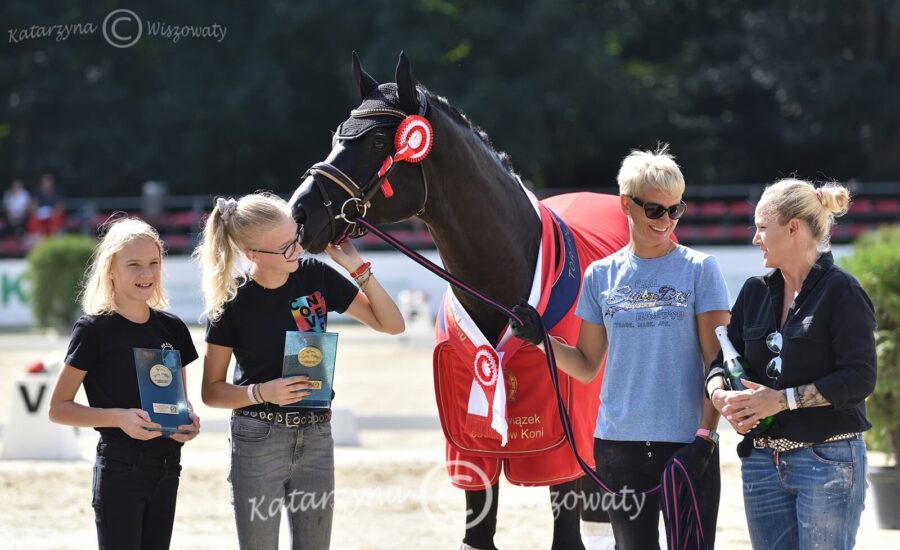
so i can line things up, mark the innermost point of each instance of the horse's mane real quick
(461, 119)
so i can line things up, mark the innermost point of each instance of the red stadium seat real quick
(857, 229)
(713, 208)
(11, 245)
(861, 206)
(741, 232)
(185, 219)
(177, 241)
(741, 208)
(686, 232)
(888, 207)
(712, 232)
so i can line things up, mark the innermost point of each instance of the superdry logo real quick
(624, 297)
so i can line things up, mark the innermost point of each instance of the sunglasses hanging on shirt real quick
(774, 343)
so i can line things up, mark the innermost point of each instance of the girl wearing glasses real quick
(651, 309)
(280, 457)
(807, 330)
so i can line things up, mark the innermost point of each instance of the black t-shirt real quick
(103, 346)
(253, 324)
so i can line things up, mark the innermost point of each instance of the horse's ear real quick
(364, 82)
(406, 86)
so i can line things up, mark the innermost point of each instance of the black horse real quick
(468, 196)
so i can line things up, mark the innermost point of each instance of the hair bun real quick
(835, 198)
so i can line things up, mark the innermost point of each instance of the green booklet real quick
(312, 354)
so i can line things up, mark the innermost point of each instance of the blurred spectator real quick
(16, 201)
(47, 209)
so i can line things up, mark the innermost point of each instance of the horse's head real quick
(360, 175)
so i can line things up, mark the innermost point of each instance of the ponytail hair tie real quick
(226, 207)
(819, 194)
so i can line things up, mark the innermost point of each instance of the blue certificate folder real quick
(162, 387)
(312, 354)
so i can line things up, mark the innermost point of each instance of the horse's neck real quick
(485, 229)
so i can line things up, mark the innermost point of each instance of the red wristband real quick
(361, 269)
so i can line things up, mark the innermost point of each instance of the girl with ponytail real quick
(256, 287)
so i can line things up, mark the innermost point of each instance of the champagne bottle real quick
(736, 372)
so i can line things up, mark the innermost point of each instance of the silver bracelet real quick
(791, 395)
(250, 394)
(363, 279)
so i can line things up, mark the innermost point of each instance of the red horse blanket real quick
(495, 399)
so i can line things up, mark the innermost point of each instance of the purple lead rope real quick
(669, 487)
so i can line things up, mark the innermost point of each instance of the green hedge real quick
(876, 263)
(55, 270)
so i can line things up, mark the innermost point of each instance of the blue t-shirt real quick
(653, 383)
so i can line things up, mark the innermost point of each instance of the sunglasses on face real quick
(655, 211)
(773, 342)
(289, 250)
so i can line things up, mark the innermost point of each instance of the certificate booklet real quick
(312, 354)
(162, 387)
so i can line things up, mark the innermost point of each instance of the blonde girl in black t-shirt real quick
(136, 472)
(281, 458)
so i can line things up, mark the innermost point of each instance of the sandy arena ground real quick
(391, 489)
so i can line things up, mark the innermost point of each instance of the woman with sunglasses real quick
(278, 460)
(653, 306)
(807, 329)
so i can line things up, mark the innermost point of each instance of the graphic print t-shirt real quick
(653, 383)
(254, 323)
(103, 346)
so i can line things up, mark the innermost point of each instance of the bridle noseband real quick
(360, 196)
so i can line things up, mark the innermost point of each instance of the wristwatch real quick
(708, 434)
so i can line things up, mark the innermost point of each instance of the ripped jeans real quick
(810, 498)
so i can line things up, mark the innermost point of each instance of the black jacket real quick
(828, 340)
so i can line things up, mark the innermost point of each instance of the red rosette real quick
(486, 366)
(413, 139)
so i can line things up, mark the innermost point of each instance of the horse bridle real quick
(360, 196)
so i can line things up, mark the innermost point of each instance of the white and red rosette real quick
(413, 139)
(486, 366)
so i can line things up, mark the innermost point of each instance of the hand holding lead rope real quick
(531, 329)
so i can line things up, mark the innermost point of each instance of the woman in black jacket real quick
(807, 330)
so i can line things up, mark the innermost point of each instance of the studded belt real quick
(289, 419)
(782, 445)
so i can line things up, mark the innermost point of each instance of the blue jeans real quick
(276, 467)
(807, 498)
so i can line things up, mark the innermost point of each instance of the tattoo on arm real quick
(782, 400)
(809, 396)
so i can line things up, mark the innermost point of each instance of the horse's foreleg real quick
(481, 518)
(566, 502)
